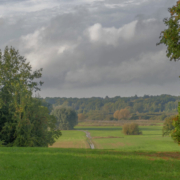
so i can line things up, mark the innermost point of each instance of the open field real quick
(111, 137)
(148, 156)
(72, 139)
(151, 139)
(86, 164)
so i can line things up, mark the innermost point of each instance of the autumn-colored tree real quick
(81, 117)
(122, 114)
(116, 113)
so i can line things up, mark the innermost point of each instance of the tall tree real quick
(21, 120)
(171, 38)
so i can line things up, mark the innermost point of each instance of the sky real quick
(92, 47)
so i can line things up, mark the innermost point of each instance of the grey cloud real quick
(74, 57)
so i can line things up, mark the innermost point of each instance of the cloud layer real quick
(93, 48)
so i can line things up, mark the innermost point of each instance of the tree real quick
(168, 125)
(124, 114)
(115, 115)
(23, 122)
(121, 114)
(131, 129)
(176, 123)
(81, 117)
(170, 36)
(66, 117)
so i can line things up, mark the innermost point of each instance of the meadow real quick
(71, 139)
(86, 164)
(107, 137)
(111, 137)
(116, 156)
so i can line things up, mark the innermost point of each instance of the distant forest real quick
(97, 108)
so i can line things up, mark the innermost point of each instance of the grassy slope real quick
(59, 164)
(151, 140)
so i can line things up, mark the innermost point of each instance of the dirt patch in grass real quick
(70, 144)
(99, 137)
(163, 155)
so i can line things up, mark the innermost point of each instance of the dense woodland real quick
(96, 108)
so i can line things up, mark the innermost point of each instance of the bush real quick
(1, 143)
(131, 129)
(163, 117)
(168, 125)
(66, 118)
(175, 134)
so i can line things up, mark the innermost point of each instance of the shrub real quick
(163, 117)
(131, 129)
(168, 125)
(175, 134)
(1, 143)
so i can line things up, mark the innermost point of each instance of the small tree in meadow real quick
(131, 129)
(168, 125)
(176, 123)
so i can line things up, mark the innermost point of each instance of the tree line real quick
(97, 108)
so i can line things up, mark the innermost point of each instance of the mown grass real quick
(150, 140)
(86, 164)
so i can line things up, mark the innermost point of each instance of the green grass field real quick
(116, 157)
(72, 139)
(150, 140)
(86, 164)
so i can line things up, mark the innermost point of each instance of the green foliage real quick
(66, 118)
(176, 123)
(131, 129)
(23, 122)
(163, 117)
(146, 107)
(1, 143)
(170, 36)
(168, 125)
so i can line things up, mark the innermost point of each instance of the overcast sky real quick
(92, 47)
